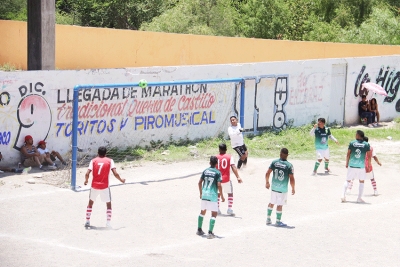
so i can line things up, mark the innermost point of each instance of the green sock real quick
(326, 164)
(316, 166)
(278, 216)
(212, 223)
(269, 212)
(200, 221)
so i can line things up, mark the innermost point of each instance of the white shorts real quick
(227, 187)
(356, 173)
(279, 199)
(323, 153)
(105, 194)
(369, 175)
(209, 205)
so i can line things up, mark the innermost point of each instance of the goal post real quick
(77, 93)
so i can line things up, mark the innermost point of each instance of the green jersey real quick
(211, 177)
(321, 138)
(358, 150)
(281, 170)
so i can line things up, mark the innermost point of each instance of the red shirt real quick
(224, 166)
(101, 171)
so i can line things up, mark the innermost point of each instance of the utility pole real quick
(41, 34)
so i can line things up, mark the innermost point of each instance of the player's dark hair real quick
(360, 134)
(213, 160)
(232, 117)
(363, 96)
(366, 139)
(222, 147)
(285, 151)
(321, 120)
(102, 151)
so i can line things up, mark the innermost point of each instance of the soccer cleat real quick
(87, 224)
(314, 173)
(269, 221)
(360, 200)
(230, 212)
(108, 225)
(219, 212)
(200, 232)
(210, 235)
(280, 224)
(343, 199)
(375, 192)
(328, 170)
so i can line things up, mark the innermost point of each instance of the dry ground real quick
(155, 219)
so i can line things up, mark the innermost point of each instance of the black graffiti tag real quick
(280, 99)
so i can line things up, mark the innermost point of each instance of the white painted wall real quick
(298, 91)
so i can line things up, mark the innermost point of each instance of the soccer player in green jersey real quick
(282, 173)
(209, 186)
(322, 134)
(355, 164)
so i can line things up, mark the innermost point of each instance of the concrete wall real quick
(84, 48)
(276, 94)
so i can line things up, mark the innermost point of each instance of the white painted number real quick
(358, 153)
(208, 182)
(224, 164)
(101, 166)
(279, 175)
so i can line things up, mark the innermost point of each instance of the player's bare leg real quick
(244, 158)
(230, 204)
(88, 213)
(360, 192)
(317, 163)
(49, 161)
(200, 222)
(57, 155)
(269, 213)
(109, 213)
(212, 223)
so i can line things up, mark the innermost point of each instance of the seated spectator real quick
(8, 169)
(373, 107)
(363, 112)
(30, 157)
(53, 155)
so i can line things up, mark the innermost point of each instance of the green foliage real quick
(206, 17)
(11, 9)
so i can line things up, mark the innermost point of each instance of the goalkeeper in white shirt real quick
(235, 132)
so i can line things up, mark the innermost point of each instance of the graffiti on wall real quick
(280, 99)
(308, 88)
(387, 77)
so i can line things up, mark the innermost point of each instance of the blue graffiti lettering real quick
(89, 127)
(5, 138)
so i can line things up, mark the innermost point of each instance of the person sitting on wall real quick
(363, 112)
(373, 107)
(52, 156)
(30, 156)
(8, 169)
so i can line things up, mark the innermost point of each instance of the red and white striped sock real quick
(219, 199)
(373, 182)
(109, 212)
(230, 202)
(88, 213)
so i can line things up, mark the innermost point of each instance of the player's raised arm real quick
(292, 183)
(116, 174)
(312, 132)
(87, 177)
(267, 185)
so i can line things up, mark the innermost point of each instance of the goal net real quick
(125, 117)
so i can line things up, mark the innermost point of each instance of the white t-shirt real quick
(42, 151)
(236, 135)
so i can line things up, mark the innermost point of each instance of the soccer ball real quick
(143, 83)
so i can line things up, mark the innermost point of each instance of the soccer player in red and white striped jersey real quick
(225, 163)
(101, 167)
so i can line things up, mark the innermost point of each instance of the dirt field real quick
(155, 220)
